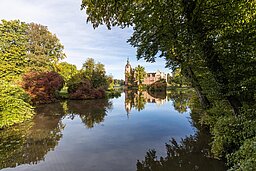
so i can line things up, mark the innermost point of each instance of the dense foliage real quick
(42, 87)
(14, 105)
(66, 70)
(30, 56)
(83, 89)
(44, 49)
(23, 48)
(118, 82)
(177, 79)
(90, 82)
(12, 49)
(95, 72)
(27, 47)
(140, 74)
(213, 43)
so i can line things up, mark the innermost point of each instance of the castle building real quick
(128, 72)
(149, 79)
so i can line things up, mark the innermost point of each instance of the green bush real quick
(14, 105)
(230, 132)
(81, 88)
(245, 157)
(234, 136)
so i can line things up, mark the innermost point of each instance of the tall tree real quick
(188, 34)
(12, 49)
(25, 47)
(44, 48)
(66, 70)
(140, 74)
(95, 73)
(88, 67)
(99, 78)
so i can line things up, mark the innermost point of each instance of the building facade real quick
(150, 78)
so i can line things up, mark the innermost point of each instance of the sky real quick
(65, 19)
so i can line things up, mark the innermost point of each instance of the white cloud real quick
(67, 21)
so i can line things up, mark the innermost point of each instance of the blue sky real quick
(65, 19)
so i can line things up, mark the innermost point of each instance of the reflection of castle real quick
(150, 99)
(137, 100)
(149, 79)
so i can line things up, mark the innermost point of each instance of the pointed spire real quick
(128, 61)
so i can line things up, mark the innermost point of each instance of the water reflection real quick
(180, 98)
(138, 99)
(191, 153)
(28, 143)
(91, 112)
(68, 129)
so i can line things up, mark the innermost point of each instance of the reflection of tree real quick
(192, 153)
(51, 109)
(90, 111)
(28, 143)
(180, 98)
(139, 101)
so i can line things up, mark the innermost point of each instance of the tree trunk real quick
(195, 26)
(215, 67)
(188, 72)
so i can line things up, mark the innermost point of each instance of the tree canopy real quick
(66, 70)
(214, 39)
(25, 47)
(213, 43)
(95, 72)
(13, 46)
(140, 74)
(44, 48)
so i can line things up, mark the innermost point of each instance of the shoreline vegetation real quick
(32, 73)
(209, 45)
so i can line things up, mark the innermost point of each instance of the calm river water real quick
(108, 135)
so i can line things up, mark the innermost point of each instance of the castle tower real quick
(128, 72)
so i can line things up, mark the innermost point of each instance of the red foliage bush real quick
(43, 87)
(84, 90)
